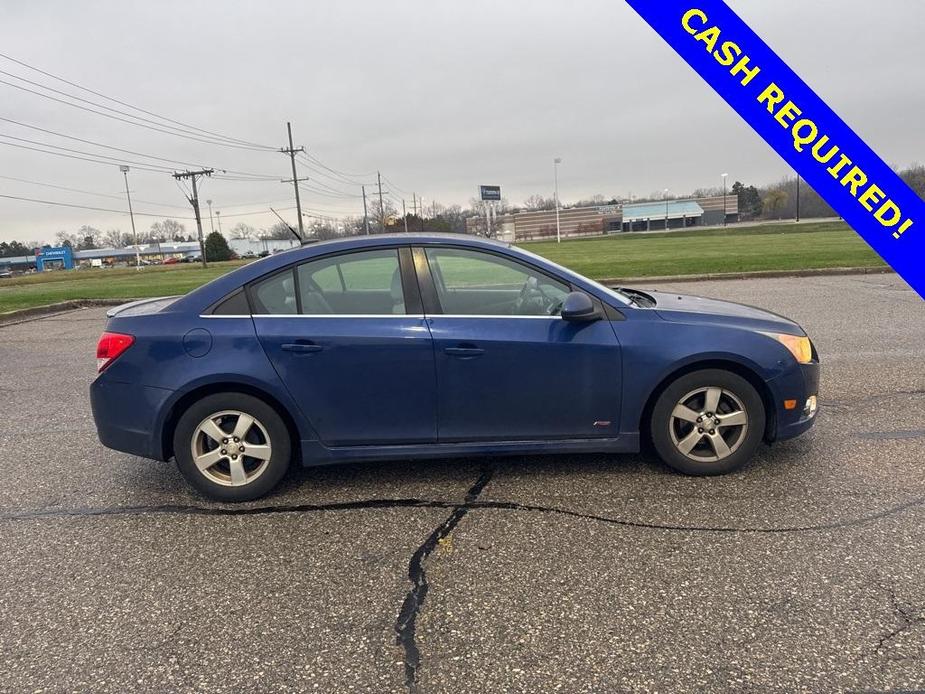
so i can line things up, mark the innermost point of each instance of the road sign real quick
(490, 192)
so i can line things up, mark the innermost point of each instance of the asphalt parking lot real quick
(803, 572)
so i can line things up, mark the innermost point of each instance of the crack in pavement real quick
(406, 623)
(908, 619)
(470, 505)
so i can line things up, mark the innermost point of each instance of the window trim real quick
(413, 302)
(431, 298)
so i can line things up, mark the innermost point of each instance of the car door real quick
(347, 337)
(508, 366)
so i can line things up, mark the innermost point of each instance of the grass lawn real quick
(771, 247)
(106, 283)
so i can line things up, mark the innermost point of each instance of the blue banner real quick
(781, 108)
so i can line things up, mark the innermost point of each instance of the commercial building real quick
(658, 215)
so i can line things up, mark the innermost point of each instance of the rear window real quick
(275, 295)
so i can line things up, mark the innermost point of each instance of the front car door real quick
(509, 368)
(347, 337)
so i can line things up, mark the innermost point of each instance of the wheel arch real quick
(183, 403)
(730, 365)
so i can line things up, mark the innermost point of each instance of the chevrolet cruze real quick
(430, 346)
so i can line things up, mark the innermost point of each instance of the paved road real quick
(803, 572)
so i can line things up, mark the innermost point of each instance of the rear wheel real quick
(232, 447)
(708, 422)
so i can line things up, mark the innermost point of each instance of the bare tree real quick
(278, 231)
(113, 238)
(538, 202)
(167, 230)
(243, 231)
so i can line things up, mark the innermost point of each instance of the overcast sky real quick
(441, 96)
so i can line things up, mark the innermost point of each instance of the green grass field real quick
(770, 247)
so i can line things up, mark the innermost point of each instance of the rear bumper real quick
(126, 416)
(799, 383)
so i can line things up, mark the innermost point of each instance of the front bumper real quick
(799, 383)
(126, 416)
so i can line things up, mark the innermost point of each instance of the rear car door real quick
(508, 366)
(347, 336)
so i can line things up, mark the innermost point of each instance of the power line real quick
(86, 207)
(131, 106)
(124, 120)
(141, 167)
(96, 144)
(115, 160)
(89, 192)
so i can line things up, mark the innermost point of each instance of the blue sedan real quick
(432, 346)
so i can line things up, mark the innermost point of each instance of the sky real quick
(439, 96)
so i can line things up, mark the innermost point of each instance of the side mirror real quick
(579, 308)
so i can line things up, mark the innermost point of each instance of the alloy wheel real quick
(231, 448)
(708, 424)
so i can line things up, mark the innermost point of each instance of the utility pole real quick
(404, 214)
(724, 197)
(381, 205)
(365, 213)
(555, 173)
(798, 197)
(124, 169)
(194, 201)
(291, 151)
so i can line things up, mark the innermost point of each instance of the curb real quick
(753, 274)
(36, 312)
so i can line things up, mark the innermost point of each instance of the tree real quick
(243, 231)
(383, 216)
(167, 229)
(538, 202)
(914, 177)
(749, 200)
(279, 231)
(217, 248)
(14, 249)
(773, 201)
(114, 238)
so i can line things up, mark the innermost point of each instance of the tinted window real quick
(275, 295)
(234, 305)
(476, 283)
(365, 282)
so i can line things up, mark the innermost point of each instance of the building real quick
(658, 215)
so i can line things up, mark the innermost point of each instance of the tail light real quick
(110, 346)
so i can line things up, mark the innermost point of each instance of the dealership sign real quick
(798, 124)
(490, 193)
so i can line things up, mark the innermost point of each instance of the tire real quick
(720, 448)
(236, 421)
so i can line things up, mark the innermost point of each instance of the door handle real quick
(464, 351)
(302, 348)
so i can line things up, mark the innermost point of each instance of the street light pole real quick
(666, 209)
(555, 169)
(124, 169)
(798, 198)
(218, 218)
(724, 197)
(211, 225)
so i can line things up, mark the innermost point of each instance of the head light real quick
(800, 347)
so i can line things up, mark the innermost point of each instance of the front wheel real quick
(708, 422)
(232, 447)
